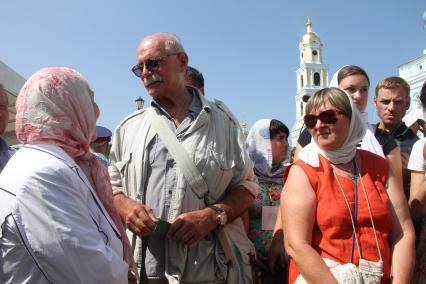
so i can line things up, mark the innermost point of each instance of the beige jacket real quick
(215, 143)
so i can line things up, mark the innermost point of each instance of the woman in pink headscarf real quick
(58, 222)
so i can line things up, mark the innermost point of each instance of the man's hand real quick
(191, 227)
(138, 218)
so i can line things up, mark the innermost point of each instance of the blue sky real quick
(247, 50)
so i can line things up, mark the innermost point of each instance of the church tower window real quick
(317, 79)
(301, 81)
(301, 108)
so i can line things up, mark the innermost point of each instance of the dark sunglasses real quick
(151, 64)
(327, 116)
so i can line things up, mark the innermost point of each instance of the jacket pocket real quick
(217, 173)
(123, 168)
(205, 263)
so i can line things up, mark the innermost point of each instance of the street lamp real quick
(139, 103)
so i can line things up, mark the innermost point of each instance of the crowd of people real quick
(182, 196)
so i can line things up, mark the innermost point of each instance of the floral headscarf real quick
(259, 147)
(55, 106)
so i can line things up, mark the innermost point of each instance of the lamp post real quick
(139, 103)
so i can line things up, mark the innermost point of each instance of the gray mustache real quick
(152, 79)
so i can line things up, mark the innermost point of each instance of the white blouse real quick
(54, 229)
(416, 161)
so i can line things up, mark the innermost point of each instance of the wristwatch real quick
(222, 218)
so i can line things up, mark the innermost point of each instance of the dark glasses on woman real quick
(151, 64)
(327, 116)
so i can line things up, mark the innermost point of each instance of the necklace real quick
(352, 217)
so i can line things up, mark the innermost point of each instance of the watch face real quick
(221, 215)
(223, 218)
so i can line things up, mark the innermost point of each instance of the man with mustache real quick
(205, 241)
(392, 100)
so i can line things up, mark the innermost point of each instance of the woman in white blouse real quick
(417, 202)
(58, 222)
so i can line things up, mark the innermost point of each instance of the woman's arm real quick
(298, 203)
(417, 200)
(402, 237)
(395, 163)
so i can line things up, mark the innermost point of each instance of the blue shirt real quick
(160, 183)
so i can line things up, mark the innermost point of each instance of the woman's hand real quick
(277, 254)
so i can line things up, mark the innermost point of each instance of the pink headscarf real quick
(55, 106)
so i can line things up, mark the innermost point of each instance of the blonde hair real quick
(335, 96)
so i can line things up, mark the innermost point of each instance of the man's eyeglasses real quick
(151, 64)
(327, 116)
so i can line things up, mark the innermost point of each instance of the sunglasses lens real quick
(136, 70)
(310, 120)
(328, 117)
(151, 64)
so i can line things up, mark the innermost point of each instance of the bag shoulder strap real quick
(187, 167)
(185, 164)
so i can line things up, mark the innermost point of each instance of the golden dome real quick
(310, 36)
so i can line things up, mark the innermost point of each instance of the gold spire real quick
(310, 36)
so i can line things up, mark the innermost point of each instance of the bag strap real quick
(188, 169)
(175, 148)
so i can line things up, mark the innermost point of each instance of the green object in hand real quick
(162, 227)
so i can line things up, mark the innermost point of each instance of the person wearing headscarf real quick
(355, 82)
(267, 146)
(58, 221)
(357, 87)
(344, 215)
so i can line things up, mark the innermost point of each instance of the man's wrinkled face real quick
(160, 69)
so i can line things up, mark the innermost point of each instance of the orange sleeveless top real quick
(332, 231)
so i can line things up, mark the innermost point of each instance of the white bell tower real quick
(311, 76)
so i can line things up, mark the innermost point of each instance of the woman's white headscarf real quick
(346, 152)
(258, 144)
(369, 141)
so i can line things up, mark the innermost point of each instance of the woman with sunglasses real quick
(267, 145)
(355, 82)
(342, 208)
